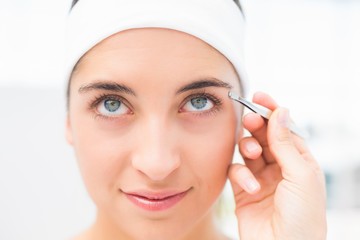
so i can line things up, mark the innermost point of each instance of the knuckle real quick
(284, 138)
(311, 173)
(276, 146)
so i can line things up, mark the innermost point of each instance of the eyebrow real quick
(105, 85)
(209, 82)
(117, 87)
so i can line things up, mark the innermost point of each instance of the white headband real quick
(217, 22)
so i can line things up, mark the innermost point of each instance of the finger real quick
(300, 144)
(265, 100)
(305, 152)
(268, 180)
(282, 144)
(268, 102)
(257, 126)
(251, 151)
(256, 121)
(241, 178)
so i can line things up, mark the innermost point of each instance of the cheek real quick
(210, 151)
(101, 155)
(214, 151)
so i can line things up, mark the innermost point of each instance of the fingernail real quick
(284, 118)
(251, 147)
(251, 185)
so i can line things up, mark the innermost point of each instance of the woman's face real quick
(153, 130)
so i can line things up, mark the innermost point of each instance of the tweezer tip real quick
(230, 94)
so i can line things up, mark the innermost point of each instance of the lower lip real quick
(156, 204)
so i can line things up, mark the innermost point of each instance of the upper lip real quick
(155, 195)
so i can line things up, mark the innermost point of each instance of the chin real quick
(159, 231)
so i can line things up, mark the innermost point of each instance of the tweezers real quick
(265, 113)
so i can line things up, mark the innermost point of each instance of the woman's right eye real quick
(112, 108)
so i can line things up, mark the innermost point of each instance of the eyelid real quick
(216, 101)
(105, 96)
(210, 96)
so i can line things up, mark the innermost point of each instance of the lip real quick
(155, 201)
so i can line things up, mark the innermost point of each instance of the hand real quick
(280, 192)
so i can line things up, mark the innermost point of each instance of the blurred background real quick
(305, 53)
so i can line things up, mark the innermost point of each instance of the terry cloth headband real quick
(219, 23)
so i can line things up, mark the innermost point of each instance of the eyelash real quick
(216, 101)
(95, 102)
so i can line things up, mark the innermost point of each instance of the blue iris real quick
(199, 102)
(112, 105)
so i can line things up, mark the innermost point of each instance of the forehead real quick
(154, 44)
(153, 37)
(162, 55)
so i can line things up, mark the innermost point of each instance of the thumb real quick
(282, 145)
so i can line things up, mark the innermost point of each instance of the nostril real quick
(156, 168)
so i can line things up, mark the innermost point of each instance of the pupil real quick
(112, 105)
(199, 102)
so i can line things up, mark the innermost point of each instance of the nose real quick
(156, 155)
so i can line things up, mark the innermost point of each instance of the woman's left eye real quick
(198, 104)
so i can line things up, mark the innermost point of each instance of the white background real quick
(305, 53)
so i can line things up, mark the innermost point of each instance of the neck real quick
(206, 229)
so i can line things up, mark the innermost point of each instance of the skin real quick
(291, 201)
(160, 142)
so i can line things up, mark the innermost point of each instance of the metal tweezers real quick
(265, 113)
